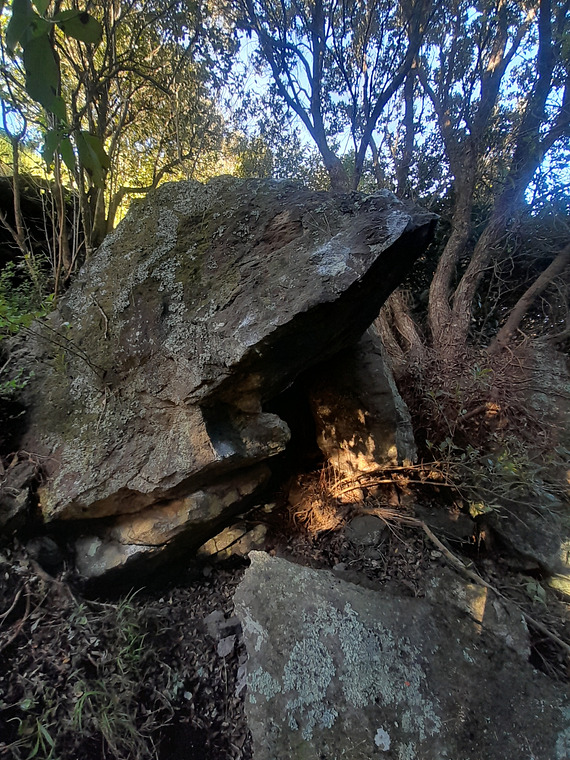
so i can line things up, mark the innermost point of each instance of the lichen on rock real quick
(345, 671)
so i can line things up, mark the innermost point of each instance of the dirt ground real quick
(154, 674)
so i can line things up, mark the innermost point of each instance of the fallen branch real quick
(19, 625)
(387, 515)
(390, 481)
(4, 615)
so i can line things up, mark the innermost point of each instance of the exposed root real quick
(19, 625)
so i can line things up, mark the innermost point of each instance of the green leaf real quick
(92, 156)
(42, 5)
(66, 149)
(96, 146)
(21, 16)
(79, 25)
(50, 146)
(42, 74)
(59, 108)
(36, 28)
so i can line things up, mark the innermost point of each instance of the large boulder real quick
(149, 379)
(336, 670)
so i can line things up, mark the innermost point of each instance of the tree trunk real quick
(403, 167)
(99, 221)
(340, 181)
(440, 318)
(64, 259)
(528, 297)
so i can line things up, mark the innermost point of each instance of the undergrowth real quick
(81, 687)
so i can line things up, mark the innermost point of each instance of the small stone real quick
(365, 530)
(226, 646)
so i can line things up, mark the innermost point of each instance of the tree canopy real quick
(464, 106)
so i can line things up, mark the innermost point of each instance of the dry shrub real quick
(477, 400)
(312, 505)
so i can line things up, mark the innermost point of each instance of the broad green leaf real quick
(42, 74)
(51, 140)
(96, 146)
(21, 16)
(91, 153)
(42, 5)
(66, 149)
(36, 28)
(59, 108)
(79, 25)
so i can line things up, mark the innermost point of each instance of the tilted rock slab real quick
(362, 422)
(206, 301)
(336, 670)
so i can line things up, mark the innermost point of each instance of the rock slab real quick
(208, 300)
(362, 421)
(336, 670)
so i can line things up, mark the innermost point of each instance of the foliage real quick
(34, 32)
(133, 99)
(508, 475)
(105, 682)
(336, 66)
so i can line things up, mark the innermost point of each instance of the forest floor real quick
(155, 674)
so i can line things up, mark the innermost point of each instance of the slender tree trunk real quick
(20, 235)
(99, 220)
(530, 149)
(64, 259)
(399, 332)
(440, 316)
(552, 271)
(403, 167)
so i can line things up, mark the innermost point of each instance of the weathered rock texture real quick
(362, 421)
(336, 670)
(144, 535)
(204, 303)
(535, 521)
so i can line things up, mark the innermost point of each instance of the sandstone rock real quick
(236, 540)
(362, 421)
(534, 522)
(535, 531)
(163, 530)
(204, 303)
(336, 670)
(365, 530)
(483, 606)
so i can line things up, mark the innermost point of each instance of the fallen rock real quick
(166, 529)
(336, 670)
(365, 530)
(45, 551)
(237, 540)
(454, 525)
(362, 421)
(539, 532)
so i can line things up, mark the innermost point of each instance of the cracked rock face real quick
(336, 670)
(206, 302)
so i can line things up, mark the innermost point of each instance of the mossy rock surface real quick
(207, 301)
